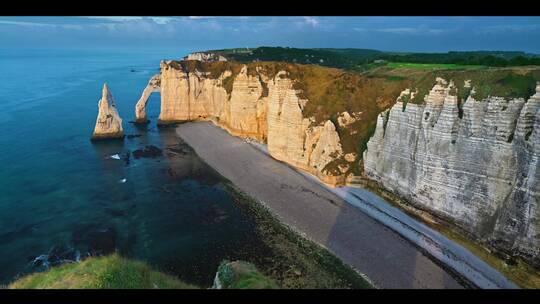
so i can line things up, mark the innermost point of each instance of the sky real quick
(411, 34)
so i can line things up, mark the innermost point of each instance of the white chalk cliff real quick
(268, 110)
(140, 107)
(108, 123)
(205, 57)
(479, 169)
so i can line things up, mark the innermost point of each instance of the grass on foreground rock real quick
(115, 272)
(241, 275)
(111, 271)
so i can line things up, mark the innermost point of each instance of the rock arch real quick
(154, 85)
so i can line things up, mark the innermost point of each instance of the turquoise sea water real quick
(61, 196)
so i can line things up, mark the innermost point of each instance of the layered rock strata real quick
(476, 164)
(266, 109)
(108, 123)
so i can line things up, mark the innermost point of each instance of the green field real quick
(433, 66)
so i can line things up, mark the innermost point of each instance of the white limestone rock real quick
(108, 123)
(273, 115)
(140, 107)
(480, 171)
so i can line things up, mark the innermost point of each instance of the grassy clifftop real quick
(357, 59)
(513, 82)
(103, 272)
(332, 91)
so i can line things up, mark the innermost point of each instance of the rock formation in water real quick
(476, 164)
(108, 123)
(140, 107)
(266, 109)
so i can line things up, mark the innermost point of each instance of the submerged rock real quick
(95, 240)
(149, 151)
(108, 123)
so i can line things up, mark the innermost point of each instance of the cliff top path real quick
(384, 256)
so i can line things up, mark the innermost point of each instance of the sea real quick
(64, 198)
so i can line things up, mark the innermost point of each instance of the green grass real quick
(433, 66)
(113, 272)
(243, 275)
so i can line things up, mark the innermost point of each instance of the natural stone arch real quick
(154, 85)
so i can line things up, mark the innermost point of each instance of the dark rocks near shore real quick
(140, 122)
(149, 151)
(57, 255)
(95, 240)
(126, 157)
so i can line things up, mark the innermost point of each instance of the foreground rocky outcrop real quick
(241, 275)
(108, 123)
(476, 163)
(255, 105)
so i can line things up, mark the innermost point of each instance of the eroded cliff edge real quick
(275, 103)
(473, 160)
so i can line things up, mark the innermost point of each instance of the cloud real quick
(507, 28)
(158, 20)
(116, 18)
(311, 21)
(200, 17)
(413, 30)
(27, 24)
(423, 30)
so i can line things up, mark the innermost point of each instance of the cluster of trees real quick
(338, 58)
(493, 59)
(358, 58)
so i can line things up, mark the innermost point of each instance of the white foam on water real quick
(122, 180)
(115, 156)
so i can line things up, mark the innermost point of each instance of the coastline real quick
(514, 268)
(422, 230)
(388, 259)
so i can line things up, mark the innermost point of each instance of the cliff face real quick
(257, 106)
(108, 123)
(293, 138)
(476, 164)
(203, 56)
